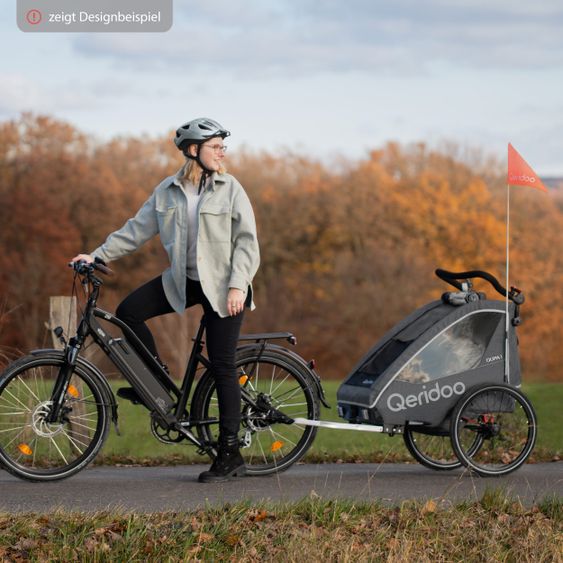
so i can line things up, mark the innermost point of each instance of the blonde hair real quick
(192, 171)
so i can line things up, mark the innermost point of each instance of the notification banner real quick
(94, 16)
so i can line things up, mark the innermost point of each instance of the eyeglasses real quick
(217, 148)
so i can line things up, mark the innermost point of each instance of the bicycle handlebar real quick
(514, 294)
(84, 268)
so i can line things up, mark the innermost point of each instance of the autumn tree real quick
(347, 249)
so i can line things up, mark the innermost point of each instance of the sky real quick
(319, 77)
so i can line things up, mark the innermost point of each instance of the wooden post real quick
(62, 312)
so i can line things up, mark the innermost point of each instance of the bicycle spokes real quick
(274, 394)
(29, 442)
(504, 421)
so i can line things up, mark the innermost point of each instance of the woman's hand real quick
(235, 301)
(86, 257)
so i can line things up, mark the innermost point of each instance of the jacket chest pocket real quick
(215, 223)
(166, 219)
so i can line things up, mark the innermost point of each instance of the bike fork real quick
(62, 382)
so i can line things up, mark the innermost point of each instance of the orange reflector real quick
(73, 391)
(276, 446)
(243, 379)
(25, 449)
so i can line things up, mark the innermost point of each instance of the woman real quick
(207, 227)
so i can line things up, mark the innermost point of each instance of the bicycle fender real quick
(305, 365)
(297, 360)
(315, 376)
(52, 353)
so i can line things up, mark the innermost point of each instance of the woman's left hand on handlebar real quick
(86, 257)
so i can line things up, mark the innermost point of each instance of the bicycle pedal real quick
(247, 440)
(130, 394)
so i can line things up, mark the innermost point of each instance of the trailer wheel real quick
(506, 422)
(433, 448)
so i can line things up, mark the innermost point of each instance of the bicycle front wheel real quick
(274, 385)
(34, 449)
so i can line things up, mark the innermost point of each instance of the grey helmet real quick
(198, 131)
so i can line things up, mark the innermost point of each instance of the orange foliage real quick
(346, 251)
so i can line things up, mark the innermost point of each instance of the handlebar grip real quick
(100, 265)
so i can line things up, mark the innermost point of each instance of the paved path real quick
(149, 489)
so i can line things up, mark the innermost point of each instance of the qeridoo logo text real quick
(397, 402)
(521, 178)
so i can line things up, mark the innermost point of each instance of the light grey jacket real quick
(227, 246)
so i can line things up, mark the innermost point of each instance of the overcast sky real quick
(323, 77)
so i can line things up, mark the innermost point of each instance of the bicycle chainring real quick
(165, 435)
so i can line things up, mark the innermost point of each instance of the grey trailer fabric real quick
(421, 367)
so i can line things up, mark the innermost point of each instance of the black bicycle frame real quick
(154, 386)
(169, 402)
(170, 406)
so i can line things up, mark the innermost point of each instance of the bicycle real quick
(56, 407)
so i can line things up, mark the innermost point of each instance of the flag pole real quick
(519, 173)
(506, 330)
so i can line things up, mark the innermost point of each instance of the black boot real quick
(228, 464)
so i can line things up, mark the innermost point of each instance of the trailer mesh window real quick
(380, 359)
(458, 348)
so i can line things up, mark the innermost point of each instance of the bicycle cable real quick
(72, 295)
(80, 309)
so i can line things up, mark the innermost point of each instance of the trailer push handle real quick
(514, 294)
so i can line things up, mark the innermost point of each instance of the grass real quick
(137, 445)
(495, 528)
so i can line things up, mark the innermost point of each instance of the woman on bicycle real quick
(207, 227)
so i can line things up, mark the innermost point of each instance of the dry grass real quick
(495, 528)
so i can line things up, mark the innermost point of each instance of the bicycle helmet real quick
(197, 131)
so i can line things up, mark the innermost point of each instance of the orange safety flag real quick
(520, 173)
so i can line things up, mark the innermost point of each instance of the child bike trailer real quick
(449, 373)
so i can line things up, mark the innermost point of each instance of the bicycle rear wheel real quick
(275, 386)
(505, 421)
(34, 449)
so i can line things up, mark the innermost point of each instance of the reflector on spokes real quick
(25, 449)
(73, 391)
(277, 445)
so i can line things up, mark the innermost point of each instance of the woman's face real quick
(211, 153)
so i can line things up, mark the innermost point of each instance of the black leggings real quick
(222, 335)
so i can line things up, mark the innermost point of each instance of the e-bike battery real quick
(153, 394)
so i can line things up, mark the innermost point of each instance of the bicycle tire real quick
(40, 451)
(434, 449)
(270, 447)
(506, 421)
